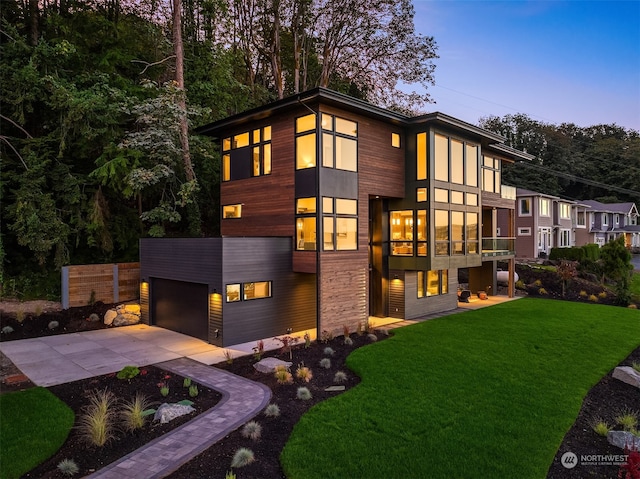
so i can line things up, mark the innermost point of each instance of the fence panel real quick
(109, 283)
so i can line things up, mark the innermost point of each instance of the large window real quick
(544, 207)
(441, 164)
(421, 140)
(433, 283)
(254, 290)
(306, 223)
(401, 228)
(234, 154)
(442, 232)
(565, 238)
(565, 211)
(455, 161)
(580, 218)
(491, 174)
(306, 142)
(339, 143)
(340, 222)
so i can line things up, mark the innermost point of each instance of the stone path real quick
(242, 399)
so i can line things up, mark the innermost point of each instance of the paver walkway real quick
(242, 399)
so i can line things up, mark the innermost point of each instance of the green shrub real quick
(128, 372)
(520, 284)
(537, 283)
(193, 390)
(600, 427)
(325, 363)
(133, 413)
(186, 382)
(96, 423)
(340, 377)
(68, 467)
(627, 419)
(542, 292)
(164, 389)
(252, 430)
(570, 254)
(303, 394)
(602, 294)
(304, 373)
(272, 410)
(591, 252)
(242, 457)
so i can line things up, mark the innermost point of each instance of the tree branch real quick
(16, 125)
(152, 64)
(6, 140)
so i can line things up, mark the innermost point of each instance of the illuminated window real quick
(457, 197)
(421, 195)
(544, 207)
(441, 229)
(472, 233)
(395, 140)
(441, 166)
(433, 283)
(457, 233)
(401, 228)
(441, 195)
(226, 167)
(234, 163)
(241, 140)
(306, 123)
(525, 207)
(421, 146)
(328, 233)
(306, 233)
(226, 144)
(232, 211)
(565, 211)
(340, 222)
(233, 293)
(346, 127)
(305, 205)
(421, 233)
(472, 199)
(261, 289)
(327, 205)
(490, 174)
(306, 151)
(457, 162)
(471, 163)
(339, 144)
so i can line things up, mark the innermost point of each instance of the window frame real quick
(521, 201)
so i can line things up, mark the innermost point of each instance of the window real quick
(605, 219)
(421, 195)
(491, 174)
(401, 228)
(524, 231)
(256, 144)
(581, 218)
(565, 211)
(544, 207)
(306, 151)
(472, 199)
(432, 283)
(565, 238)
(306, 223)
(441, 164)
(472, 233)
(395, 140)
(257, 290)
(340, 224)
(442, 232)
(305, 205)
(441, 195)
(471, 163)
(232, 211)
(525, 207)
(457, 197)
(422, 233)
(616, 219)
(455, 161)
(421, 145)
(339, 143)
(457, 233)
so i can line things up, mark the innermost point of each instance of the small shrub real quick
(348, 341)
(537, 283)
(272, 410)
(636, 365)
(631, 468)
(303, 394)
(632, 306)
(252, 430)
(602, 294)
(307, 341)
(340, 377)
(325, 363)
(304, 373)
(242, 457)
(627, 419)
(132, 414)
(520, 284)
(96, 423)
(193, 390)
(228, 356)
(68, 467)
(593, 298)
(186, 383)
(38, 312)
(128, 372)
(230, 475)
(326, 336)
(53, 325)
(328, 351)
(164, 389)
(20, 315)
(94, 318)
(600, 427)
(542, 292)
(372, 337)
(258, 350)
(7, 330)
(283, 376)
(583, 294)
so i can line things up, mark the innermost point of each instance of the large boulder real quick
(269, 365)
(109, 316)
(627, 375)
(126, 319)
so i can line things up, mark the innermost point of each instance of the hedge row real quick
(576, 253)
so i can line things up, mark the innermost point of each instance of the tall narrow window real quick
(441, 166)
(471, 163)
(472, 233)
(306, 233)
(442, 232)
(395, 140)
(226, 167)
(421, 140)
(457, 162)
(457, 233)
(421, 233)
(401, 228)
(306, 151)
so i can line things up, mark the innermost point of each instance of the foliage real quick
(68, 467)
(328, 351)
(304, 373)
(631, 468)
(128, 372)
(325, 363)
(600, 427)
(133, 412)
(193, 390)
(514, 343)
(283, 376)
(258, 350)
(53, 325)
(228, 355)
(252, 430)
(242, 457)
(97, 422)
(164, 389)
(340, 377)
(567, 270)
(303, 394)
(617, 267)
(272, 410)
(287, 344)
(33, 425)
(627, 419)
(186, 382)
(307, 340)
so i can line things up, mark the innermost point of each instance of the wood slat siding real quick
(292, 304)
(108, 283)
(343, 296)
(215, 319)
(418, 307)
(496, 201)
(304, 262)
(396, 294)
(267, 201)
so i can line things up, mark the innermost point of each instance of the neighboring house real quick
(542, 222)
(333, 211)
(608, 221)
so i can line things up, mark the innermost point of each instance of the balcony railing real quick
(508, 192)
(498, 246)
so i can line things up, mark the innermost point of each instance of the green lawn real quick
(33, 425)
(635, 285)
(481, 394)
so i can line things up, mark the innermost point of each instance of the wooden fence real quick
(109, 283)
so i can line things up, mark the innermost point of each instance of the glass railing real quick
(508, 192)
(498, 246)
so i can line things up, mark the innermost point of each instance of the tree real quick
(617, 267)
(567, 270)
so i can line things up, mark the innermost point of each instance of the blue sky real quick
(556, 61)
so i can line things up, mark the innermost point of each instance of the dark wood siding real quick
(292, 304)
(396, 294)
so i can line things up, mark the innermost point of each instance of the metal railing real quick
(499, 246)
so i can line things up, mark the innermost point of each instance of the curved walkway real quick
(242, 399)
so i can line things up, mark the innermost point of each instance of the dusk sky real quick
(556, 61)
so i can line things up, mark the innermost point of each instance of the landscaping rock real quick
(627, 375)
(94, 318)
(623, 439)
(268, 365)
(332, 389)
(126, 319)
(132, 308)
(167, 412)
(109, 316)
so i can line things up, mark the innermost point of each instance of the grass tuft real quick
(325, 363)
(303, 373)
(600, 427)
(132, 413)
(252, 430)
(328, 351)
(242, 457)
(68, 467)
(97, 421)
(340, 377)
(348, 341)
(272, 410)
(283, 376)
(303, 394)
(627, 419)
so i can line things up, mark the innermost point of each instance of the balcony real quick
(501, 246)
(508, 192)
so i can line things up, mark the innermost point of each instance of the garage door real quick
(180, 306)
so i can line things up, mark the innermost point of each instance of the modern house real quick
(542, 222)
(608, 221)
(334, 211)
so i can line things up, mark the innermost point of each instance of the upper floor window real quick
(605, 219)
(232, 211)
(544, 207)
(340, 224)
(616, 219)
(455, 161)
(395, 140)
(491, 174)
(306, 223)
(565, 211)
(247, 154)
(401, 229)
(339, 143)
(421, 195)
(525, 207)
(306, 142)
(421, 156)
(580, 218)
